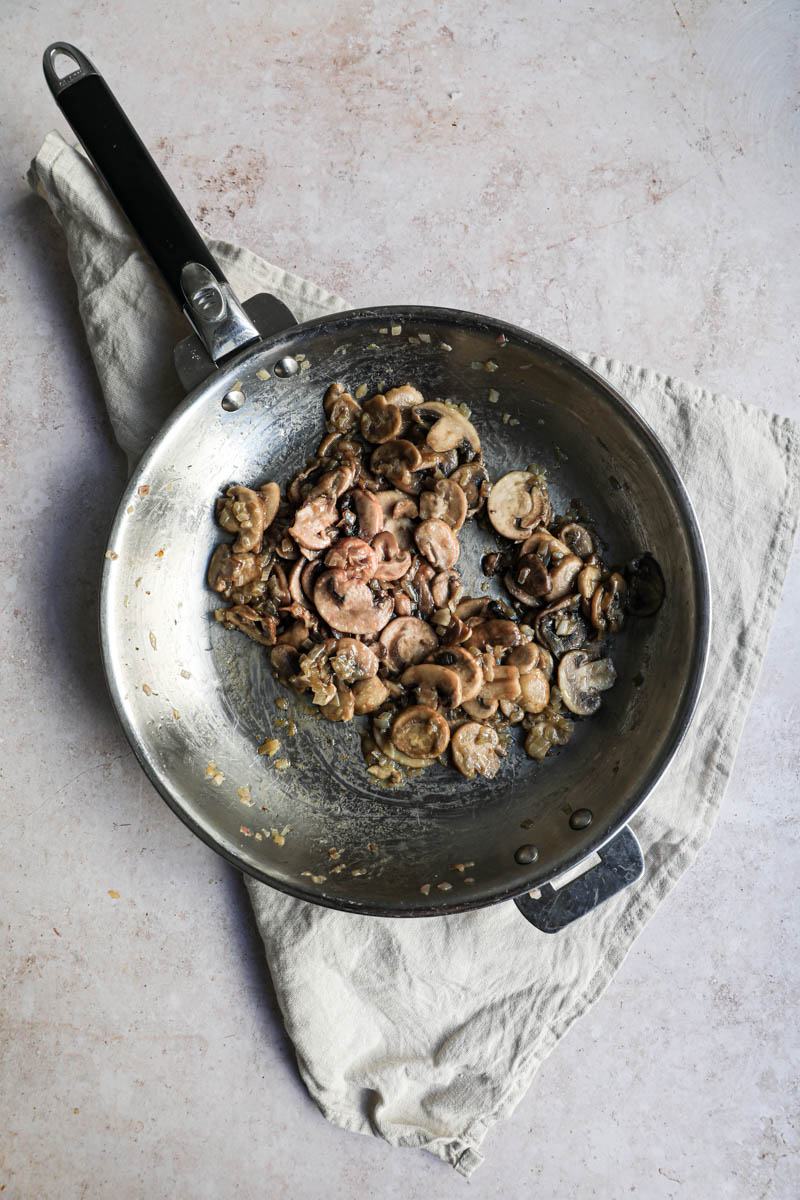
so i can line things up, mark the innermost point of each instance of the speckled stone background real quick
(619, 177)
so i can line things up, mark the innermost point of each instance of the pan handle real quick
(160, 223)
(621, 864)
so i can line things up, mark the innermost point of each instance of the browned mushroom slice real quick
(217, 574)
(474, 750)
(397, 461)
(577, 539)
(294, 635)
(369, 694)
(582, 676)
(341, 410)
(334, 483)
(447, 588)
(544, 544)
(278, 587)
(468, 669)
(473, 479)
(308, 574)
(407, 641)
(312, 523)
(341, 707)
(605, 609)
(405, 396)
(504, 684)
(354, 557)
(227, 570)
(587, 583)
(270, 495)
(296, 583)
(420, 580)
(480, 709)
(437, 542)
(560, 627)
(517, 503)
(353, 661)
(563, 576)
(450, 430)
(380, 421)
(528, 580)
(368, 512)
(390, 561)
(548, 730)
(420, 732)
(443, 499)
(524, 657)
(535, 691)
(436, 686)
(286, 664)
(244, 618)
(494, 632)
(241, 511)
(355, 610)
(472, 606)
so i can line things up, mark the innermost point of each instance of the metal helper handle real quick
(621, 864)
(160, 223)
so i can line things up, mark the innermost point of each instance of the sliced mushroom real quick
(355, 609)
(314, 673)
(390, 561)
(480, 708)
(535, 691)
(407, 641)
(369, 513)
(241, 511)
(548, 730)
(504, 684)
(356, 558)
(544, 544)
(369, 694)
(528, 580)
(560, 627)
(465, 665)
(437, 541)
(474, 750)
(295, 635)
(582, 676)
(587, 582)
(295, 581)
(342, 411)
(435, 685)
(380, 421)
(308, 574)
(451, 429)
(646, 586)
(420, 580)
(447, 588)
(420, 732)
(473, 479)
(286, 663)
(270, 495)
(472, 606)
(397, 461)
(577, 539)
(606, 607)
(334, 483)
(353, 661)
(312, 523)
(563, 576)
(247, 620)
(341, 707)
(405, 396)
(443, 499)
(227, 570)
(518, 502)
(493, 632)
(456, 632)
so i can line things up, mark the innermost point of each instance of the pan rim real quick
(700, 575)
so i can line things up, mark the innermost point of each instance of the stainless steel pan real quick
(190, 693)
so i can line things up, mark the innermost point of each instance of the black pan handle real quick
(152, 208)
(621, 864)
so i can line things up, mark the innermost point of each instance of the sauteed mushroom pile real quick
(351, 581)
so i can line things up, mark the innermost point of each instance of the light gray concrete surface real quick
(619, 177)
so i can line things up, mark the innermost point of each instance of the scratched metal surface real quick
(221, 686)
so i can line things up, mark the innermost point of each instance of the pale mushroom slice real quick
(503, 685)
(380, 420)
(534, 691)
(474, 748)
(447, 589)
(437, 541)
(436, 687)
(450, 430)
(582, 676)
(312, 523)
(587, 582)
(420, 732)
(353, 661)
(241, 511)
(405, 396)
(342, 411)
(356, 609)
(407, 641)
(518, 502)
(333, 484)
(369, 694)
(398, 510)
(466, 666)
(368, 513)
(445, 500)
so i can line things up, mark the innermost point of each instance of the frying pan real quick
(190, 693)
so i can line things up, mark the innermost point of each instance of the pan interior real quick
(191, 694)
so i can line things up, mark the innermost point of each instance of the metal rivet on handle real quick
(581, 818)
(233, 400)
(526, 854)
(286, 366)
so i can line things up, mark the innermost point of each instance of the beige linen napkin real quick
(427, 1032)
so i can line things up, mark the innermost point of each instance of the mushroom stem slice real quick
(582, 676)
(474, 750)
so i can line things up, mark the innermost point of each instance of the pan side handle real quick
(621, 864)
(158, 219)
